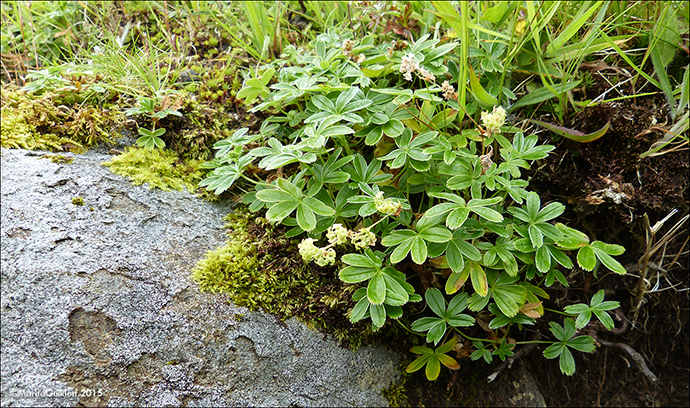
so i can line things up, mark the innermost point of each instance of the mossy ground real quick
(56, 121)
(261, 269)
(159, 168)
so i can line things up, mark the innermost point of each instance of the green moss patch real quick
(160, 168)
(53, 121)
(261, 269)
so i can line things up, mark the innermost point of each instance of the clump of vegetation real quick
(392, 140)
(78, 201)
(159, 168)
(58, 159)
(257, 269)
(44, 122)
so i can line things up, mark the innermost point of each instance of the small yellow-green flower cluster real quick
(337, 234)
(309, 252)
(307, 249)
(362, 238)
(386, 206)
(493, 121)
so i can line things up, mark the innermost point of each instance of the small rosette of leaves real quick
(433, 359)
(151, 138)
(567, 340)
(449, 314)
(386, 291)
(596, 306)
(287, 198)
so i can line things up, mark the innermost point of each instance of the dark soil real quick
(573, 174)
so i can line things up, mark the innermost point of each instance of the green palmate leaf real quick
(386, 285)
(287, 198)
(433, 359)
(223, 177)
(481, 352)
(450, 314)
(504, 350)
(414, 243)
(597, 306)
(560, 349)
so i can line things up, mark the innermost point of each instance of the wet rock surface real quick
(98, 308)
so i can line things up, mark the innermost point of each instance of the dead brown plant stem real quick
(649, 236)
(680, 252)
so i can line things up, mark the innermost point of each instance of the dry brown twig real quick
(643, 284)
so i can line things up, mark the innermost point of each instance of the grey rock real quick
(527, 392)
(98, 308)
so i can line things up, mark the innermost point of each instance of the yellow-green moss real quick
(78, 201)
(260, 268)
(160, 168)
(240, 268)
(58, 158)
(396, 395)
(45, 122)
(18, 131)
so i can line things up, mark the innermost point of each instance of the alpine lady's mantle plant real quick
(375, 172)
